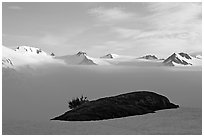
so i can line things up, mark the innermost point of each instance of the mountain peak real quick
(30, 50)
(52, 54)
(110, 56)
(181, 59)
(81, 53)
(149, 57)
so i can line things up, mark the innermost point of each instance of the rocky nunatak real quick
(129, 104)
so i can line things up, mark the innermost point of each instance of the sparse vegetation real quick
(77, 102)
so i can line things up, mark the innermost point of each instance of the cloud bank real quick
(167, 28)
(99, 28)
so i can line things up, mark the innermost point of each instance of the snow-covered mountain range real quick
(81, 58)
(182, 59)
(26, 56)
(33, 57)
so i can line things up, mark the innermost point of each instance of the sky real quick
(100, 28)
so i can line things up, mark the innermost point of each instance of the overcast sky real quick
(101, 28)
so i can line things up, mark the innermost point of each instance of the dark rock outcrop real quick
(149, 57)
(7, 63)
(185, 55)
(81, 53)
(52, 54)
(129, 104)
(108, 56)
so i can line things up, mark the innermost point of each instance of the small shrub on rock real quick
(77, 102)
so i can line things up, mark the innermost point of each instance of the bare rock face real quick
(178, 58)
(149, 57)
(52, 54)
(108, 56)
(129, 104)
(7, 63)
(81, 53)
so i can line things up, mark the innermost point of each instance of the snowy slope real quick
(197, 55)
(7, 63)
(98, 61)
(25, 56)
(110, 56)
(76, 59)
(30, 51)
(124, 60)
(81, 58)
(115, 59)
(182, 59)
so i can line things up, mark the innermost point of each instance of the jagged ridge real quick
(179, 58)
(149, 57)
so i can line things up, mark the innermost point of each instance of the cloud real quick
(126, 33)
(168, 21)
(165, 35)
(167, 28)
(159, 28)
(175, 15)
(110, 14)
(15, 7)
(154, 34)
(52, 40)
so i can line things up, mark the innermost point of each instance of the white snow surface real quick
(30, 51)
(199, 56)
(27, 56)
(98, 61)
